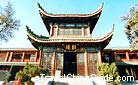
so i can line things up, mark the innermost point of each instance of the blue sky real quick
(27, 12)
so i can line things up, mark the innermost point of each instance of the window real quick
(120, 57)
(80, 58)
(105, 57)
(79, 32)
(66, 32)
(16, 57)
(71, 28)
(133, 56)
(80, 63)
(70, 31)
(47, 60)
(70, 25)
(32, 57)
(59, 57)
(76, 31)
(61, 32)
(61, 25)
(79, 25)
(92, 62)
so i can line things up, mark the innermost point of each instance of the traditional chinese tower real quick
(70, 47)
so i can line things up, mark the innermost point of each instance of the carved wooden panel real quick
(92, 63)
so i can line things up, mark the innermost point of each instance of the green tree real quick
(9, 77)
(132, 26)
(3, 75)
(28, 72)
(110, 70)
(8, 22)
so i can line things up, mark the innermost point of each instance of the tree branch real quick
(2, 29)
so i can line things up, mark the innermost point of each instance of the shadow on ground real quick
(57, 83)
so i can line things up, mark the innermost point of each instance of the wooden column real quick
(115, 56)
(51, 30)
(40, 56)
(127, 56)
(23, 57)
(86, 63)
(53, 67)
(7, 55)
(99, 57)
(10, 57)
(88, 31)
(82, 31)
(35, 60)
(56, 30)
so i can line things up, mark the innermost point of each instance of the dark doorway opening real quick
(70, 63)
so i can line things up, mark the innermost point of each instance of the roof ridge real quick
(45, 13)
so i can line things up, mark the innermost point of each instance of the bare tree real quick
(132, 26)
(8, 22)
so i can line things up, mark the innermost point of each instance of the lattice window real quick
(80, 63)
(59, 61)
(61, 31)
(92, 62)
(47, 59)
(70, 31)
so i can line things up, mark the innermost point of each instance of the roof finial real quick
(102, 5)
(39, 6)
(113, 27)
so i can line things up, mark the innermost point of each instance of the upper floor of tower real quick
(70, 25)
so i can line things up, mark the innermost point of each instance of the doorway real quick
(70, 63)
